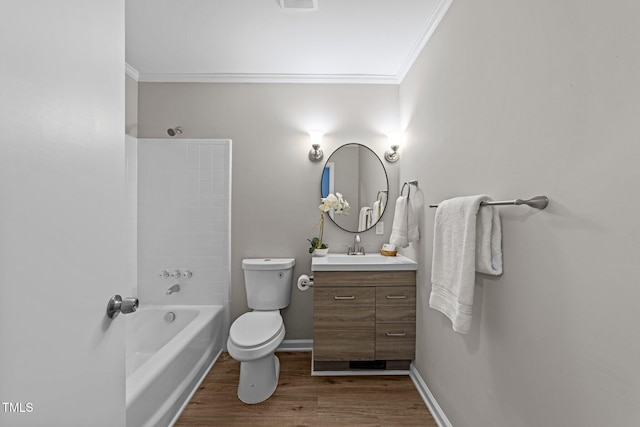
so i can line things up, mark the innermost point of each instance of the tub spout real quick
(174, 288)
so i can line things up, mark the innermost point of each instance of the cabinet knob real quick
(339, 297)
(396, 297)
(401, 334)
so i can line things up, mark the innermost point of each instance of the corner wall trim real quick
(296, 345)
(131, 72)
(427, 31)
(435, 409)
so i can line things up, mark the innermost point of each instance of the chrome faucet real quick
(174, 288)
(357, 249)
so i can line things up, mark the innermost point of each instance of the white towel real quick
(377, 212)
(489, 242)
(405, 227)
(383, 202)
(364, 220)
(456, 255)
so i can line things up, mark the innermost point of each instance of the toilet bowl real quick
(255, 336)
(253, 340)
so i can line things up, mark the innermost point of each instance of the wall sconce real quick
(395, 140)
(316, 154)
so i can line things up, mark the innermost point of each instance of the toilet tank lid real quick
(268, 263)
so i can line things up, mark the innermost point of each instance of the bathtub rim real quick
(139, 380)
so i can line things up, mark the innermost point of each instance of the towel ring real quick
(409, 183)
(402, 190)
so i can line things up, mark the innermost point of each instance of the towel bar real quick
(538, 202)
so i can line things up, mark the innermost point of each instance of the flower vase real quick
(320, 252)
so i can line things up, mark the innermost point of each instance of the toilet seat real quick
(255, 328)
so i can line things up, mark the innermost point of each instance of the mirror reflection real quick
(358, 174)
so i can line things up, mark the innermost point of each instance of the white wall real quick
(62, 212)
(183, 220)
(131, 106)
(515, 99)
(276, 189)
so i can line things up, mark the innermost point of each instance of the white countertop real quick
(369, 262)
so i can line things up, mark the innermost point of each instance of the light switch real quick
(380, 227)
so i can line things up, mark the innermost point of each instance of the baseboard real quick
(435, 409)
(424, 392)
(296, 345)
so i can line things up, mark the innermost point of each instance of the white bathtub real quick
(167, 360)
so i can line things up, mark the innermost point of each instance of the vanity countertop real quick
(369, 262)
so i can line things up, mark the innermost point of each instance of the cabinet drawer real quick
(395, 304)
(395, 341)
(344, 344)
(343, 307)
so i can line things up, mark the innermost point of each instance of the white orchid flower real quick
(339, 205)
(328, 203)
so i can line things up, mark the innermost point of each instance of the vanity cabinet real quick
(364, 316)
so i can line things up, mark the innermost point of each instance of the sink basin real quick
(369, 262)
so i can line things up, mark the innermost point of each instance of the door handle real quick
(118, 305)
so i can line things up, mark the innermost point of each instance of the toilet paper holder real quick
(305, 282)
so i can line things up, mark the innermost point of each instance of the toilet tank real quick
(268, 282)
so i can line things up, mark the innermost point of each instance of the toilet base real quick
(258, 379)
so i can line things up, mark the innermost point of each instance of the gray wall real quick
(515, 99)
(275, 188)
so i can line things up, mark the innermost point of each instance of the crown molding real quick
(427, 31)
(131, 72)
(267, 78)
(425, 34)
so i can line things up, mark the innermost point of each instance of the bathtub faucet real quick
(174, 288)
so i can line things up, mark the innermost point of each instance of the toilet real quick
(255, 336)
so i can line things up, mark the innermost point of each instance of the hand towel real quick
(364, 220)
(488, 242)
(405, 226)
(454, 256)
(377, 212)
(383, 202)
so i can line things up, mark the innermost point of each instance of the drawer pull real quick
(401, 334)
(396, 297)
(349, 297)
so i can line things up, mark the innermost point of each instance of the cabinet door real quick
(395, 341)
(395, 304)
(343, 323)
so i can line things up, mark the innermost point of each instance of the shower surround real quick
(184, 199)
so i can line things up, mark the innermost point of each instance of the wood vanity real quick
(364, 319)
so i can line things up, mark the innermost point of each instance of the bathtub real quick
(167, 359)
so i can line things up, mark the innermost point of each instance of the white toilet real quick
(255, 336)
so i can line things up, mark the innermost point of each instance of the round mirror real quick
(357, 173)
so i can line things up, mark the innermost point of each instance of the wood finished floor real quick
(303, 400)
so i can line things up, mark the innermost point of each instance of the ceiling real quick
(343, 41)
